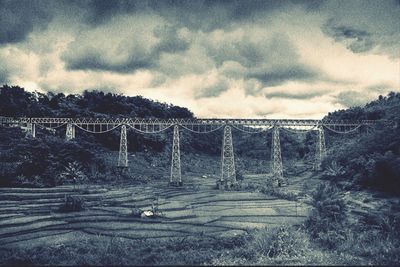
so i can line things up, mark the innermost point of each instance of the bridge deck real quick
(189, 122)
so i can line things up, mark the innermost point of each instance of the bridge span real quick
(202, 126)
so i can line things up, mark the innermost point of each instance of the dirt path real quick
(29, 217)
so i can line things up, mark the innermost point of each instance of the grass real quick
(102, 250)
(327, 238)
(285, 245)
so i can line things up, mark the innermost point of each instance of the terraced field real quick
(30, 217)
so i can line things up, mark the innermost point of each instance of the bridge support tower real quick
(123, 149)
(31, 129)
(70, 133)
(277, 167)
(176, 177)
(320, 149)
(228, 172)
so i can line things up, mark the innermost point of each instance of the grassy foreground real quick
(330, 236)
(279, 246)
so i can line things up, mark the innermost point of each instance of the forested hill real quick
(15, 101)
(385, 107)
(367, 160)
(41, 161)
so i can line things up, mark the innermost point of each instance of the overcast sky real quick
(271, 59)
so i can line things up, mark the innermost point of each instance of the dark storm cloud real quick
(243, 51)
(364, 26)
(88, 52)
(358, 40)
(224, 13)
(19, 18)
(100, 11)
(208, 15)
(277, 76)
(255, 57)
(170, 42)
(302, 95)
(271, 62)
(213, 90)
(205, 15)
(90, 59)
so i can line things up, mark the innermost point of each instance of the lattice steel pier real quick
(176, 176)
(227, 178)
(228, 171)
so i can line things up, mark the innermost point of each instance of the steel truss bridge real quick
(203, 126)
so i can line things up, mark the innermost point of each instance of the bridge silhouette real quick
(203, 126)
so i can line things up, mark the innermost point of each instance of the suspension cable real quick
(345, 132)
(89, 131)
(153, 132)
(290, 130)
(249, 132)
(205, 132)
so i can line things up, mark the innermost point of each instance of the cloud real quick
(171, 40)
(19, 18)
(354, 98)
(293, 95)
(137, 44)
(380, 88)
(99, 12)
(357, 41)
(281, 74)
(147, 41)
(189, 14)
(255, 53)
(364, 26)
(3, 76)
(197, 15)
(213, 90)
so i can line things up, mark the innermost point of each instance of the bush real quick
(326, 222)
(135, 212)
(280, 242)
(73, 174)
(72, 203)
(35, 181)
(239, 176)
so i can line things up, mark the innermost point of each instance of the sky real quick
(220, 59)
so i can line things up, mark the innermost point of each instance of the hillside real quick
(370, 159)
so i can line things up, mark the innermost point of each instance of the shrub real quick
(22, 180)
(73, 174)
(135, 212)
(326, 221)
(280, 242)
(72, 203)
(334, 169)
(239, 176)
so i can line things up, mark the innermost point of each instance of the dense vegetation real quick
(370, 159)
